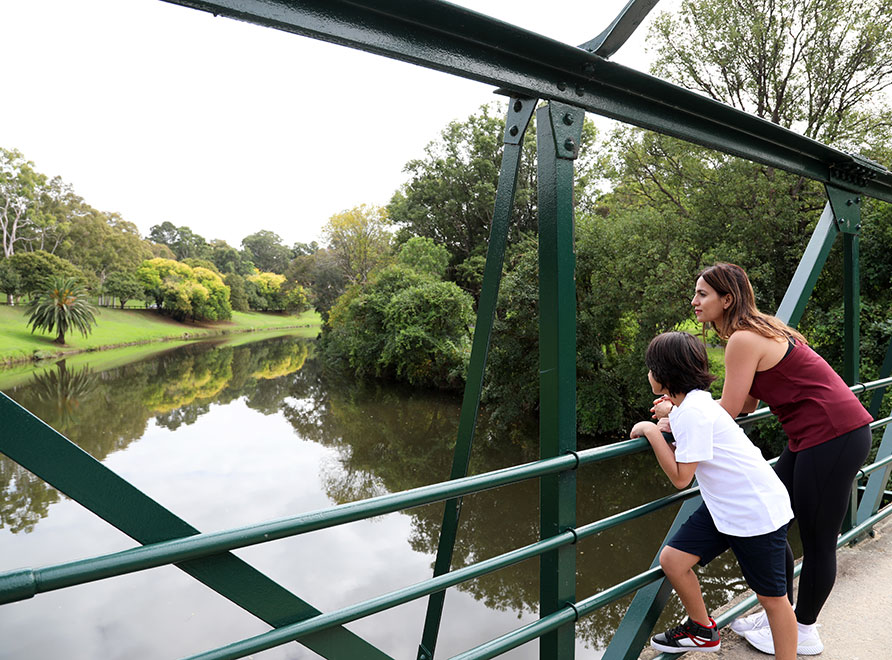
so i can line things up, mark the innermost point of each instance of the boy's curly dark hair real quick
(678, 362)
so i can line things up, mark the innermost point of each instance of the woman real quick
(827, 428)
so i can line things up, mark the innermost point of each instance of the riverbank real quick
(128, 327)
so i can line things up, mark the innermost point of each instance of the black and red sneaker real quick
(689, 636)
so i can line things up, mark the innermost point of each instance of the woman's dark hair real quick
(742, 313)
(678, 362)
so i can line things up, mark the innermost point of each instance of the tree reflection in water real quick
(386, 439)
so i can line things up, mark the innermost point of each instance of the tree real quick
(101, 243)
(185, 292)
(10, 282)
(182, 241)
(450, 193)
(425, 256)
(61, 308)
(124, 285)
(264, 248)
(237, 295)
(36, 269)
(273, 292)
(819, 67)
(402, 324)
(320, 274)
(358, 240)
(20, 189)
(229, 260)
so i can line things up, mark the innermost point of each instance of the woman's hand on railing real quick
(661, 408)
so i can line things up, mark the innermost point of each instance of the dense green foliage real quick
(124, 285)
(404, 324)
(36, 269)
(61, 308)
(185, 292)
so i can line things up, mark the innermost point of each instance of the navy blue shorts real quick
(762, 558)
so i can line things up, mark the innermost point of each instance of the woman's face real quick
(708, 305)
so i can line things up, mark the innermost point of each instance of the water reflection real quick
(383, 439)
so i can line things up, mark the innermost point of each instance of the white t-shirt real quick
(743, 494)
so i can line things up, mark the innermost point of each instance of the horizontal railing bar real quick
(293, 632)
(25, 583)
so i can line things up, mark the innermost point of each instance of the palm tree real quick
(62, 307)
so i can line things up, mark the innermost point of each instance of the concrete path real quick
(856, 621)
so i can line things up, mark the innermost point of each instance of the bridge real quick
(570, 80)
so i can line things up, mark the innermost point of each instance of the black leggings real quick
(819, 480)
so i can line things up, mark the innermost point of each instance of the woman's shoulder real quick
(751, 339)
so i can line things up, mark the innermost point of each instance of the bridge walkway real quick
(854, 624)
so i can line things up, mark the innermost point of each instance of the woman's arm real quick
(680, 474)
(742, 355)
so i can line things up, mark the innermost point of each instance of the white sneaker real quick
(750, 622)
(808, 644)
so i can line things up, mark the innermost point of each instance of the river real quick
(225, 435)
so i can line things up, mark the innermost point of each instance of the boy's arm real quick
(680, 474)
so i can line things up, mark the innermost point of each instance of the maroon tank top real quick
(811, 401)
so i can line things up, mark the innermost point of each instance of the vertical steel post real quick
(847, 209)
(558, 132)
(520, 111)
(852, 296)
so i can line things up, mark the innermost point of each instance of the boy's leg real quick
(678, 567)
(784, 629)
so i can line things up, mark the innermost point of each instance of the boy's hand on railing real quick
(640, 429)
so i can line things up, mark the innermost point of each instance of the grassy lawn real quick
(116, 327)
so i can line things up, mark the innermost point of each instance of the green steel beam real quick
(65, 466)
(803, 283)
(450, 38)
(847, 210)
(558, 133)
(520, 111)
(852, 309)
(622, 27)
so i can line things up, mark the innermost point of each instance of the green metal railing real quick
(570, 80)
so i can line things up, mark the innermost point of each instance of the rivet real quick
(580, 90)
(518, 106)
(848, 202)
(513, 131)
(568, 119)
(569, 144)
(562, 86)
(857, 200)
(588, 67)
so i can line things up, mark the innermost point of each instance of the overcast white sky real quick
(161, 112)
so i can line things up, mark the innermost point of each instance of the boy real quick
(745, 505)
